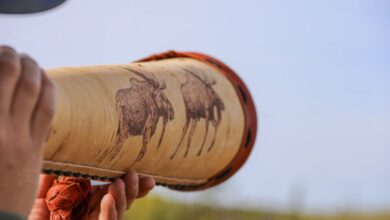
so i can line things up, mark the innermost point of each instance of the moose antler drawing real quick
(140, 107)
(201, 101)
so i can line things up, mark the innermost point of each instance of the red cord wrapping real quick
(67, 198)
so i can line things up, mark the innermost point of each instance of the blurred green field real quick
(156, 208)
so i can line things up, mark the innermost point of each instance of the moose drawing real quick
(140, 107)
(201, 102)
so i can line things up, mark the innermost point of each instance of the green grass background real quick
(157, 208)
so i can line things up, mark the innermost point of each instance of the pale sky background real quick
(319, 72)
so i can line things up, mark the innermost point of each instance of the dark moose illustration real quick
(140, 107)
(201, 101)
(142, 104)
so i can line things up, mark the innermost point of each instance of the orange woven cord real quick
(68, 198)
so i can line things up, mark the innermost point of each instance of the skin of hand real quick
(106, 202)
(27, 102)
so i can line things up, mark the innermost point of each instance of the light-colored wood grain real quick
(84, 136)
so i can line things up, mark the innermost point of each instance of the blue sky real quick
(319, 72)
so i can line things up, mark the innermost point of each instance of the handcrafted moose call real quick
(185, 119)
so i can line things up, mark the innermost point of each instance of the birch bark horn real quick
(185, 119)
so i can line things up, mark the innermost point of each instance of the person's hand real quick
(26, 110)
(106, 202)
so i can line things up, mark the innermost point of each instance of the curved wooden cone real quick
(179, 120)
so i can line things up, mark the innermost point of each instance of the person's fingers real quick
(39, 210)
(45, 182)
(145, 185)
(27, 91)
(94, 200)
(9, 74)
(44, 109)
(108, 208)
(118, 191)
(132, 187)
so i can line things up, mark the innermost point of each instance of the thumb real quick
(45, 182)
(39, 210)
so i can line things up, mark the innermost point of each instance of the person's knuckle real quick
(31, 86)
(29, 63)
(31, 77)
(50, 87)
(48, 109)
(29, 59)
(49, 101)
(7, 48)
(9, 67)
(31, 82)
